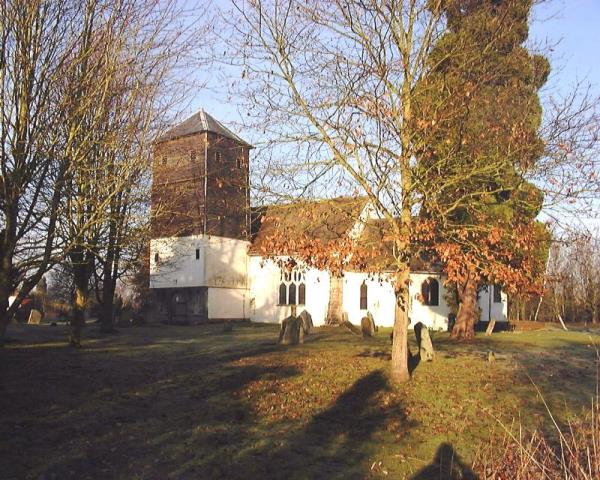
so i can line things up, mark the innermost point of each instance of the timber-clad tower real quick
(200, 223)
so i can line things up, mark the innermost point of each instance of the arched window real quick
(430, 291)
(302, 294)
(363, 296)
(292, 289)
(282, 294)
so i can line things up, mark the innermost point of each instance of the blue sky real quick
(570, 27)
(573, 26)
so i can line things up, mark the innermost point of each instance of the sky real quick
(571, 28)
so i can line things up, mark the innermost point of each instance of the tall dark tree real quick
(480, 113)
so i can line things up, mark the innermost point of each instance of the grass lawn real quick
(161, 402)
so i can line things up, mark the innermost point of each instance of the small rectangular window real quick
(197, 254)
(192, 156)
(164, 160)
(218, 156)
(497, 294)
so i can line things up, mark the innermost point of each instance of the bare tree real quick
(130, 57)
(337, 81)
(36, 53)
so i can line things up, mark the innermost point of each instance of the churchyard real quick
(158, 402)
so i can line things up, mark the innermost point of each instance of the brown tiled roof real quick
(325, 220)
(377, 235)
(200, 122)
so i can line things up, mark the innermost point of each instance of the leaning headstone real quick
(307, 323)
(35, 317)
(424, 342)
(367, 327)
(350, 326)
(370, 317)
(291, 332)
(490, 327)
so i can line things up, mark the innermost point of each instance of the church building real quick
(210, 257)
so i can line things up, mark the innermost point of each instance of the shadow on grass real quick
(334, 444)
(446, 465)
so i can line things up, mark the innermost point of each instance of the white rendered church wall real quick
(198, 261)
(228, 303)
(380, 298)
(265, 278)
(432, 316)
(491, 310)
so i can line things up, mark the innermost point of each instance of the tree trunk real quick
(334, 307)
(107, 307)
(78, 318)
(468, 311)
(399, 371)
(81, 281)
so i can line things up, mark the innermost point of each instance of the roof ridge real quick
(200, 121)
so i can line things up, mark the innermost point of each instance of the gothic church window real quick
(292, 289)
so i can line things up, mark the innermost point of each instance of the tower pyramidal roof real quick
(197, 123)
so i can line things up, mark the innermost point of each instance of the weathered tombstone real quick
(35, 317)
(367, 327)
(372, 319)
(491, 357)
(291, 332)
(307, 323)
(424, 342)
(490, 327)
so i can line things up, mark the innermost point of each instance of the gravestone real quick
(35, 317)
(350, 326)
(367, 326)
(307, 323)
(370, 317)
(291, 332)
(424, 342)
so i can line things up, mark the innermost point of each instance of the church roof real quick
(325, 220)
(197, 123)
(275, 227)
